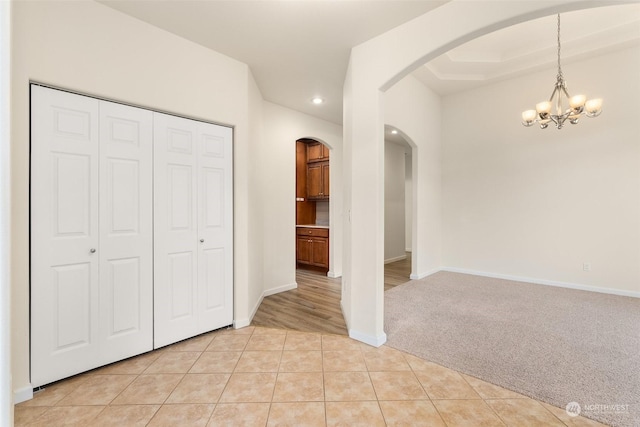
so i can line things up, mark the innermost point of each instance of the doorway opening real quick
(312, 205)
(398, 208)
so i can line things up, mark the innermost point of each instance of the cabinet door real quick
(64, 234)
(320, 252)
(126, 231)
(314, 152)
(175, 229)
(325, 180)
(314, 181)
(304, 248)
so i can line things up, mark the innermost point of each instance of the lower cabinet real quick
(312, 247)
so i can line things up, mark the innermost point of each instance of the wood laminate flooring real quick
(314, 306)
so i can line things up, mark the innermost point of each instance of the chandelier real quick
(577, 105)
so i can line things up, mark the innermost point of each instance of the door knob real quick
(201, 240)
(92, 250)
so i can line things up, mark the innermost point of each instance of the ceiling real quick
(299, 49)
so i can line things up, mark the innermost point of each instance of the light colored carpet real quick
(554, 344)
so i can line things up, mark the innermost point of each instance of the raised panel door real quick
(314, 181)
(303, 250)
(320, 252)
(215, 226)
(175, 229)
(64, 234)
(126, 231)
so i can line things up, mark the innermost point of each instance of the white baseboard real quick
(23, 394)
(376, 341)
(333, 275)
(423, 275)
(407, 250)
(394, 259)
(559, 284)
(241, 323)
(279, 289)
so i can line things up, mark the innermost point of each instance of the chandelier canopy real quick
(577, 105)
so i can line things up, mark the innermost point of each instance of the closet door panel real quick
(126, 232)
(64, 231)
(215, 226)
(175, 229)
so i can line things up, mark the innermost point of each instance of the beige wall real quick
(538, 204)
(86, 47)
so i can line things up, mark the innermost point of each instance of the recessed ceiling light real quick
(317, 100)
(394, 131)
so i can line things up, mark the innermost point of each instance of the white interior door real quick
(126, 231)
(64, 234)
(215, 226)
(193, 228)
(175, 230)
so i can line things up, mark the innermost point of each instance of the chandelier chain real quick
(559, 67)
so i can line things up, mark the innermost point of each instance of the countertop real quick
(313, 226)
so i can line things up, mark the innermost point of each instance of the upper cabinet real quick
(317, 171)
(317, 152)
(318, 180)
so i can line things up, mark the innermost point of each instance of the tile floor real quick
(268, 377)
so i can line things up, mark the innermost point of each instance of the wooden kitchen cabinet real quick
(317, 152)
(312, 247)
(318, 180)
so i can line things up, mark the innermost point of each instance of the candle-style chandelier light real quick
(577, 105)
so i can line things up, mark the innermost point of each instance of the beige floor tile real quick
(173, 362)
(519, 412)
(418, 364)
(415, 413)
(301, 361)
(239, 415)
(54, 393)
(199, 343)
(247, 330)
(397, 386)
(348, 386)
(343, 360)
(125, 415)
(134, 366)
(259, 361)
(339, 342)
(302, 341)
(259, 330)
(266, 342)
(491, 391)
(249, 387)
(467, 413)
(385, 359)
(199, 388)
(354, 414)
(98, 390)
(562, 415)
(23, 415)
(182, 415)
(149, 389)
(443, 383)
(229, 342)
(214, 362)
(68, 416)
(307, 414)
(299, 387)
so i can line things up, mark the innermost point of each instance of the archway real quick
(374, 67)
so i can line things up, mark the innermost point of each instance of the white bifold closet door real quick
(91, 233)
(193, 229)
